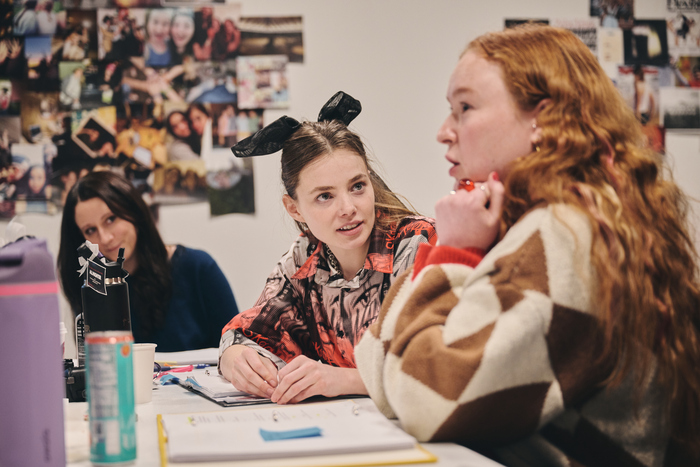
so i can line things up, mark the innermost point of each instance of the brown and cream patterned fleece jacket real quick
(499, 354)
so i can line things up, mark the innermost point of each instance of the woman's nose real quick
(446, 134)
(347, 207)
(104, 236)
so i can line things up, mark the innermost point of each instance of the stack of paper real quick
(208, 383)
(189, 357)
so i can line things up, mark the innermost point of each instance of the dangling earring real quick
(535, 146)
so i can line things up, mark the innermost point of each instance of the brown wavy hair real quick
(316, 139)
(593, 155)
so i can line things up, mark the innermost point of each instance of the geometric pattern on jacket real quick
(501, 357)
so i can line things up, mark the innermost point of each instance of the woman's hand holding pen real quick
(465, 219)
(302, 378)
(248, 371)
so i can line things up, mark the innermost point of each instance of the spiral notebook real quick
(332, 433)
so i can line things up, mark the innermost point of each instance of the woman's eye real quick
(89, 231)
(358, 186)
(323, 197)
(111, 219)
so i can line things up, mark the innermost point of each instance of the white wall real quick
(395, 56)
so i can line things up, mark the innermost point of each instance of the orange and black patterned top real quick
(308, 308)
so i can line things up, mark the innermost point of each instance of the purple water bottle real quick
(31, 399)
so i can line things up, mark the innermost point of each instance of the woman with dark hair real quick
(179, 297)
(199, 117)
(558, 321)
(226, 41)
(181, 35)
(186, 144)
(356, 237)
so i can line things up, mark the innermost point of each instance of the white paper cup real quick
(144, 354)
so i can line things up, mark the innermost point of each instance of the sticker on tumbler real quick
(96, 277)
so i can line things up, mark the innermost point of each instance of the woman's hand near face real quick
(303, 378)
(248, 371)
(462, 219)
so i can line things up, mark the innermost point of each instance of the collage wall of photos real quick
(654, 63)
(156, 90)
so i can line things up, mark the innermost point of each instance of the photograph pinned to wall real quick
(41, 116)
(613, 13)
(226, 41)
(262, 82)
(212, 82)
(231, 124)
(9, 98)
(96, 138)
(12, 58)
(214, 26)
(6, 17)
(87, 4)
(189, 3)
(230, 184)
(70, 163)
(680, 108)
(585, 29)
(121, 33)
(688, 72)
(72, 76)
(87, 144)
(143, 84)
(684, 34)
(9, 136)
(29, 186)
(277, 35)
(79, 36)
(24, 18)
(639, 86)
(611, 51)
(182, 31)
(682, 5)
(646, 43)
(157, 41)
(183, 141)
(10, 133)
(141, 139)
(512, 22)
(50, 17)
(109, 82)
(42, 64)
(136, 3)
(181, 182)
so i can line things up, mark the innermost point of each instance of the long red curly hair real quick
(593, 155)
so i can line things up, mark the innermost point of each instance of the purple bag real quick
(32, 388)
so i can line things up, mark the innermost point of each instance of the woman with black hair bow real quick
(356, 237)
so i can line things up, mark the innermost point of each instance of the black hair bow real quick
(271, 139)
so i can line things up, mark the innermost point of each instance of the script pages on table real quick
(284, 432)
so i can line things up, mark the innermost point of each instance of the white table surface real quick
(174, 399)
